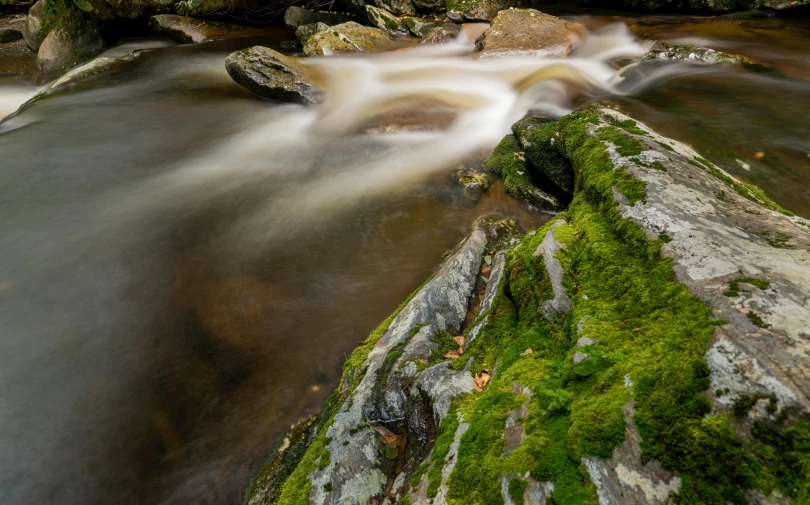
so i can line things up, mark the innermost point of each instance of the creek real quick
(184, 267)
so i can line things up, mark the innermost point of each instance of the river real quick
(184, 267)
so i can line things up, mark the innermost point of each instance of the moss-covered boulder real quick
(419, 27)
(346, 38)
(682, 291)
(270, 74)
(519, 32)
(385, 21)
(304, 32)
(545, 154)
(509, 161)
(64, 48)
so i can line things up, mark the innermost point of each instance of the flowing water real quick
(184, 267)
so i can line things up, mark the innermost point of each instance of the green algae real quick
(734, 286)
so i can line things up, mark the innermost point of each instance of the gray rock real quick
(345, 38)
(579, 357)
(689, 52)
(385, 21)
(397, 7)
(298, 16)
(561, 303)
(64, 48)
(270, 74)
(187, 30)
(32, 30)
(476, 10)
(419, 27)
(9, 35)
(304, 32)
(529, 32)
(441, 34)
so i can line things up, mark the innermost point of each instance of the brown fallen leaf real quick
(394, 443)
(481, 380)
(459, 340)
(527, 352)
(452, 354)
(486, 269)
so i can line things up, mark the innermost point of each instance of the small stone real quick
(270, 74)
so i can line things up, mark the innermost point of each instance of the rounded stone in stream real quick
(66, 47)
(529, 32)
(385, 21)
(688, 52)
(32, 29)
(476, 10)
(441, 34)
(346, 38)
(270, 74)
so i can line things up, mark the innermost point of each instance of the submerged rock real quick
(385, 21)
(188, 30)
(346, 38)
(270, 74)
(519, 32)
(296, 16)
(689, 52)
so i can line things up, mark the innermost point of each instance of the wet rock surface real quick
(528, 32)
(298, 16)
(272, 75)
(476, 10)
(689, 52)
(345, 38)
(64, 48)
(385, 21)
(441, 34)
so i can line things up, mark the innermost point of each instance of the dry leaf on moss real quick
(481, 380)
(452, 354)
(459, 340)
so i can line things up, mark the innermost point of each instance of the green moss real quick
(734, 286)
(756, 320)
(666, 146)
(544, 152)
(746, 401)
(627, 125)
(657, 165)
(516, 489)
(447, 432)
(327, 487)
(404, 501)
(62, 13)
(417, 475)
(508, 161)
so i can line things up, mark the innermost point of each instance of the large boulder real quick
(682, 292)
(476, 10)
(296, 16)
(529, 32)
(270, 74)
(32, 30)
(67, 46)
(188, 30)
(346, 38)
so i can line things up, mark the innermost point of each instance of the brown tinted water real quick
(169, 307)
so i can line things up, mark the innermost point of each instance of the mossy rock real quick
(347, 37)
(545, 154)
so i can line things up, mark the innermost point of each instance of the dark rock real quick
(7, 36)
(345, 38)
(430, 5)
(529, 32)
(298, 16)
(508, 160)
(544, 153)
(270, 74)
(441, 34)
